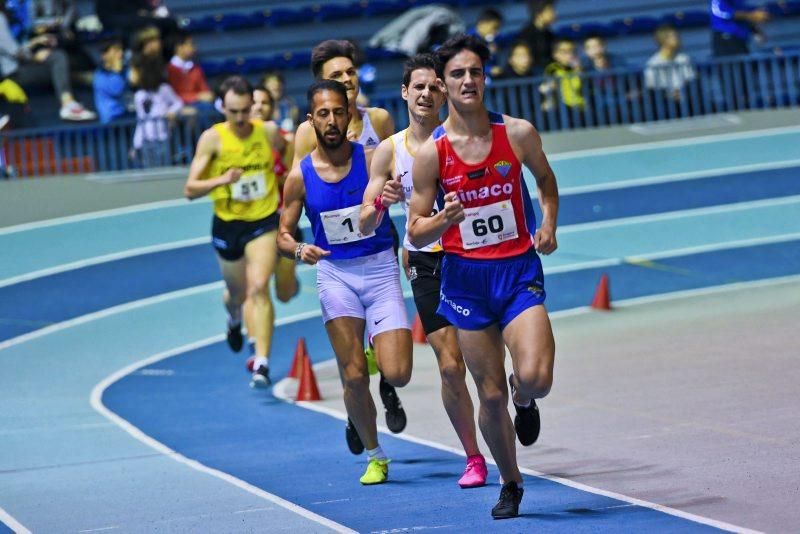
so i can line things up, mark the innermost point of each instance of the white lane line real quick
(685, 141)
(682, 214)
(96, 260)
(57, 327)
(673, 253)
(101, 529)
(12, 523)
(96, 400)
(678, 177)
(136, 208)
(280, 391)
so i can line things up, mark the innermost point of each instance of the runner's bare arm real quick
(529, 143)
(276, 140)
(293, 194)
(196, 184)
(423, 227)
(380, 183)
(305, 140)
(382, 122)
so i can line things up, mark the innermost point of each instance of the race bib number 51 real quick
(249, 188)
(341, 226)
(488, 225)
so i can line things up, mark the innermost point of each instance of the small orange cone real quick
(296, 369)
(602, 295)
(417, 331)
(308, 389)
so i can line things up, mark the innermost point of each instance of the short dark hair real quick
(272, 74)
(537, 6)
(490, 14)
(419, 61)
(237, 84)
(108, 44)
(326, 85)
(327, 50)
(264, 90)
(179, 38)
(456, 44)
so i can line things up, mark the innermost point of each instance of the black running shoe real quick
(508, 504)
(353, 441)
(526, 423)
(395, 414)
(235, 338)
(261, 378)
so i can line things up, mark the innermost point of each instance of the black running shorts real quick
(230, 237)
(426, 279)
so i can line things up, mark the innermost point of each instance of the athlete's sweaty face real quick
(330, 117)
(464, 78)
(237, 109)
(424, 93)
(342, 70)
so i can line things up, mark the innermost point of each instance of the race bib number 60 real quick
(488, 225)
(341, 226)
(249, 188)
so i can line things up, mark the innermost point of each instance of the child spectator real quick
(286, 111)
(519, 63)
(109, 83)
(157, 105)
(565, 69)
(538, 33)
(487, 27)
(668, 70)
(186, 76)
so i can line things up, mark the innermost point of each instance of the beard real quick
(331, 145)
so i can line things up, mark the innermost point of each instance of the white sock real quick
(232, 322)
(376, 453)
(259, 361)
(519, 485)
(526, 405)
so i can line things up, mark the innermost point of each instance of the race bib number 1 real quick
(341, 226)
(249, 188)
(488, 225)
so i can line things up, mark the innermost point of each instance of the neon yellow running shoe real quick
(377, 472)
(372, 364)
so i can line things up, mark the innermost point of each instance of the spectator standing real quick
(286, 111)
(186, 76)
(669, 70)
(157, 106)
(128, 16)
(487, 27)
(38, 60)
(732, 24)
(539, 33)
(565, 82)
(109, 83)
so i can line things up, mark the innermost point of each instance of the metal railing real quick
(615, 97)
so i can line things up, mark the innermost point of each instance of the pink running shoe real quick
(475, 474)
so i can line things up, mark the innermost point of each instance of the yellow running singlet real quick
(255, 195)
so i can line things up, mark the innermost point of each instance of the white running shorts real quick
(367, 288)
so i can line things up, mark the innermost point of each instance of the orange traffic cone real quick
(602, 295)
(300, 351)
(417, 332)
(308, 390)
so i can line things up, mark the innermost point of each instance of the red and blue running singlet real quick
(500, 221)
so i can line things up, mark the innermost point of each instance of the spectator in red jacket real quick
(186, 76)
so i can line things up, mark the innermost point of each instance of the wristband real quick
(378, 204)
(298, 251)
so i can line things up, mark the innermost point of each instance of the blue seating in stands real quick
(238, 21)
(633, 25)
(201, 24)
(382, 7)
(284, 16)
(328, 12)
(688, 19)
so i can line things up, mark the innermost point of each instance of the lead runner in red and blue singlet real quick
(492, 282)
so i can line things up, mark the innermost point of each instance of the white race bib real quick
(249, 188)
(488, 225)
(341, 226)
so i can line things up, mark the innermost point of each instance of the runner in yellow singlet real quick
(234, 165)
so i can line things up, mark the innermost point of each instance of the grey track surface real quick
(689, 403)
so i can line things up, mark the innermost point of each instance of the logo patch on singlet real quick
(503, 167)
(448, 161)
(370, 142)
(480, 173)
